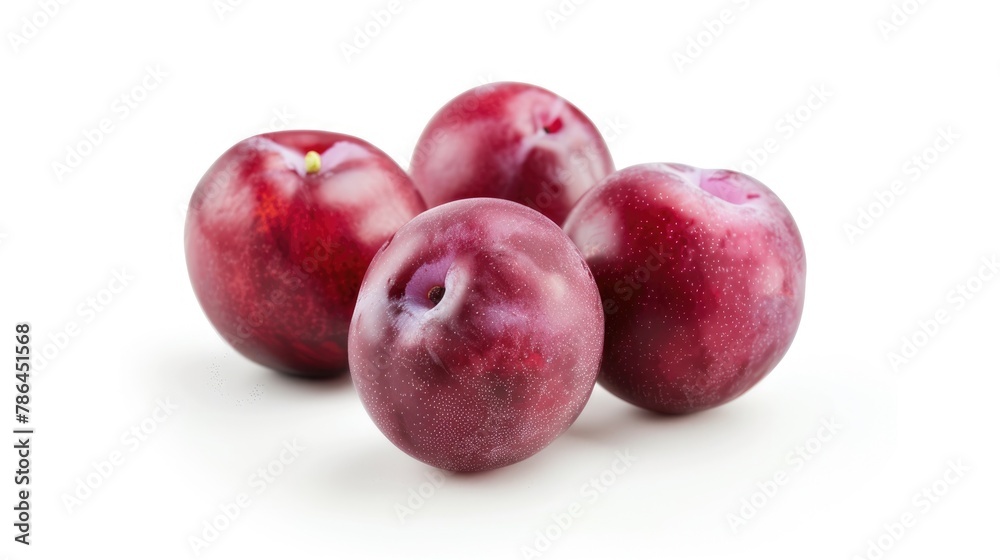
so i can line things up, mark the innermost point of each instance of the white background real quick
(281, 65)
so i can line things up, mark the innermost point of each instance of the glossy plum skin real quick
(506, 358)
(276, 253)
(512, 141)
(702, 276)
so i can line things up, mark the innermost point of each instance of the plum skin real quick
(477, 336)
(276, 253)
(702, 276)
(512, 141)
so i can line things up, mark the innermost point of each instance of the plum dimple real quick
(503, 344)
(426, 287)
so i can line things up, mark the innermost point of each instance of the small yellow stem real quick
(313, 162)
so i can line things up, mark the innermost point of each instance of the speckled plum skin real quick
(702, 275)
(506, 358)
(512, 141)
(276, 254)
